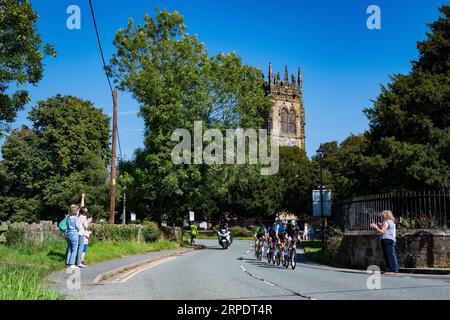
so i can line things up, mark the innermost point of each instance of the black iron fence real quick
(425, 209)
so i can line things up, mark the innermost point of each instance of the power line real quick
(100, 46)
(104, 67)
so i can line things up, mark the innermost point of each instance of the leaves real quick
(21, 54)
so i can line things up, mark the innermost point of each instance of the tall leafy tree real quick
(171, 74)
(21, 55)
(409, 140)
(46, 167)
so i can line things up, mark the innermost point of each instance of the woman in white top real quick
(83, 224)
(388, 239)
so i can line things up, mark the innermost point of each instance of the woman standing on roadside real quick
(73, 225)
(388, 240)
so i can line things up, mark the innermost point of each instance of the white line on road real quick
(128, 275)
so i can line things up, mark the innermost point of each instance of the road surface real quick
(214, 273)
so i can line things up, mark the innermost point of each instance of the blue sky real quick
(343, 61)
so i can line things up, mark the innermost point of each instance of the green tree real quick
(21, 52)
(408, 139)
(170, 73)
(44, 169)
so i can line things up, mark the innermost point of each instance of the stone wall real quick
(431, 248)
(36, 232)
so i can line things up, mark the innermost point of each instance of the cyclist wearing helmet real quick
(261, 232)
(260, 236)
(280, 234)
(292, 230)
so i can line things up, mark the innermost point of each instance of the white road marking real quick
(130, 274)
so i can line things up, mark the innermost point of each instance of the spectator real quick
(73, 225)
(388, 240)
(194, 232)
(305, 232)
(87, 234)
(81, 230)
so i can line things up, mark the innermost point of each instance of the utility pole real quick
(112, 200)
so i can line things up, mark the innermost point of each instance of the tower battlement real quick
(284, 89)
(288, 114)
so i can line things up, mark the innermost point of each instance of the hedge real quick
(241, 232)
(107, 232)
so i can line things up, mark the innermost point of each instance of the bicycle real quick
(271, 251)
(258, 249)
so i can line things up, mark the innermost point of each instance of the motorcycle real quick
(224, 236)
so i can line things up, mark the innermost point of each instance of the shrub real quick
(150, 232)
(241, 232)
(107, 232)
(15, 235)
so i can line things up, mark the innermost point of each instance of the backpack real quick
(63, 225)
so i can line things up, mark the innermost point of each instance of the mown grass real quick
(316, 252)
(23, 268)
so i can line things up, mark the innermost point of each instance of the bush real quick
(107, 232)
(15, 236)
(150, 232)
(241, 232)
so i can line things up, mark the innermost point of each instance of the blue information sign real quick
(326, 203)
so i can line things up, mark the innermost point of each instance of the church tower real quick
(288, 114)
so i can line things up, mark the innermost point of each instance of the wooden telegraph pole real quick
(112, 200)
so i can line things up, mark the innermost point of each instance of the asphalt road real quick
(214, 273)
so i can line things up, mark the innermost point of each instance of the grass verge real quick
(23, 268)
(316, 252)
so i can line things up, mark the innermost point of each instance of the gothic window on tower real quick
(284, 121)
(292, 122)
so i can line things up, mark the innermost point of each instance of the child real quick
(87, 234)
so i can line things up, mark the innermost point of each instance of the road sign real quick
(326, 194)
(191, 216)
(133, 217)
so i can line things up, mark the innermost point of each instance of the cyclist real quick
(292, 231)
(260, 236)
(271, 237)
(292, 234)
(280, 234)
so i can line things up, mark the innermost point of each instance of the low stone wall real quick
(172, 233)
(431, 248)
(36, 232)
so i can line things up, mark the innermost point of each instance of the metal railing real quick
(424, 209)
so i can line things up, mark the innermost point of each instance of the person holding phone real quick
(388, 239)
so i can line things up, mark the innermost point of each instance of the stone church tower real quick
(288, 114)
